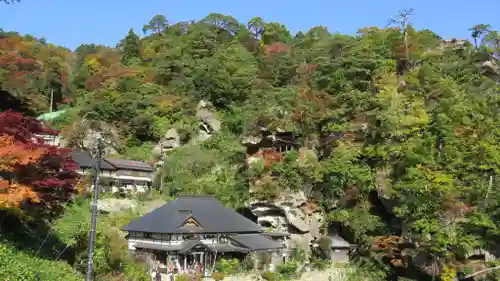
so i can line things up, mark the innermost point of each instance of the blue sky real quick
(72, 22)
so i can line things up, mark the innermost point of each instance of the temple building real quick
(192, 233)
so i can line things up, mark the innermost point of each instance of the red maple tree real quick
(32, 173)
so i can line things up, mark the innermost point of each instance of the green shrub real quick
(20, 266)
(135, 271)
(227, 266)
(320, 264)
(247, 264)
(271, 276)
(288, 270)
(218, 276)
(183, 277)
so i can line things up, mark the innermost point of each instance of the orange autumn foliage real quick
(12, 195)
(36, 178)
(12, 155)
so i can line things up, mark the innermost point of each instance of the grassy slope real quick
(20, 266)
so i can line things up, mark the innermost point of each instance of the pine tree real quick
(130, 48)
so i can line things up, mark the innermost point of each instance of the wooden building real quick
(191, 233)
(116, 174)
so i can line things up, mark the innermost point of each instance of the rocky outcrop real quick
(169, 141)
(208, 124)
(112, 205)
(488, 65)
(83, 135)
(292, 213)
(207, 118)
(491, 69)
(337, 273)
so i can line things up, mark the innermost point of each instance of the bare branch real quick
(482, 271)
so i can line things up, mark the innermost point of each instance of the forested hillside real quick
(394, 133)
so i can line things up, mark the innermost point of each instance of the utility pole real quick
(162, 160)
(51, 100)
(94, 210)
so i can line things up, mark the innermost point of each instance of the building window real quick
(147, 235)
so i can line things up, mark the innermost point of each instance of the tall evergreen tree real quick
(130, 45)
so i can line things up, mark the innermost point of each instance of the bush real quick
(324, 251)
(228, 267)
(135, 271)
(17, 265)
(263, 260)
(320, 263)
(247, 264)
(183, 277)
(271, 276)
(218, 276)
(120, 194)
(288, 270)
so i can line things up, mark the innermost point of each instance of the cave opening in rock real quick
(255, 148)
(252, 148)
(247, 214)
(342, 231)
(275, 213)
(378, 209)
(265, 224)
(294, 230)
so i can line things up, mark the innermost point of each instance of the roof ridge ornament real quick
(190, 222)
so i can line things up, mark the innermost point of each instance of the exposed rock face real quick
(208, 124)
(207, 117)
(424, 263)
(208, 121)
(112, 205)
(487, 64)
(83, 135)
(251, 140)
(109, 136)
(491, 69)
(290, 213)
(170, 140)
(384, 188)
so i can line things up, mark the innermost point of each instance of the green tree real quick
(130, 46)
(156, 25)
(478, 32)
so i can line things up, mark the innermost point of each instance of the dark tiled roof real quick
(155, 246)
(129, 165)
(211, 215)
(86, 161)
(256, 242)
(226, 248)
(189, 244)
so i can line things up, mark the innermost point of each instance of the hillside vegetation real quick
(399, 141)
